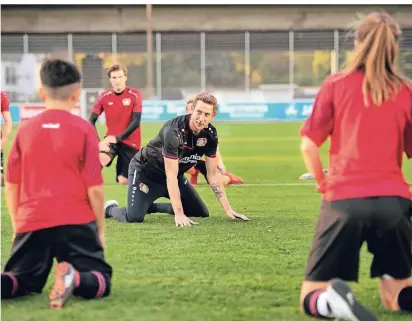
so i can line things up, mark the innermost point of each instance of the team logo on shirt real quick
(201, 142)
(144, 188)
(126, 101)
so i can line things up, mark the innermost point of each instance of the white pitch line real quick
(270, 184)
(245, 185)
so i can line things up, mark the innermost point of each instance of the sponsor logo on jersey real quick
(190, 159)
(126, 101)
(201, 142)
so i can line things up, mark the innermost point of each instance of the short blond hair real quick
(207, 99)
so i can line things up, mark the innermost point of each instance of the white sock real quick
(322, 305)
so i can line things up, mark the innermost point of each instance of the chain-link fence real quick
(239, 65)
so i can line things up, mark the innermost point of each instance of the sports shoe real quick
(108, 205)
(344, 305)
(310, 176)
(64, 285)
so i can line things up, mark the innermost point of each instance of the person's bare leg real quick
(395, 294)
(104, 159)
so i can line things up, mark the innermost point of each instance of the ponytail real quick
(377, 43)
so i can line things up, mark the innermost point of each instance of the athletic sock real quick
(9, 285)
(405, 299)
(316, 304)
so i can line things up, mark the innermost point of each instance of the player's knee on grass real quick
(93, 285)
(204, 212)
(390, 291)
(198, 211)
(195, 207)
(135, 215)
(10, 286)
(122, 180)
(135, 219)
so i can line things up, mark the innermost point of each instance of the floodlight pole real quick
(149, 42)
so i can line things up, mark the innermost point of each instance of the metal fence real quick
(240, 64)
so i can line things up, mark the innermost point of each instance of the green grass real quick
(218, 270)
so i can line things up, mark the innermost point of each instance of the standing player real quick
(6, 128)
(54, 193)
(123, 110)
(367, 112)
(158, 169)
(200, 167)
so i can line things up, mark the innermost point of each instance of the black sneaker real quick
(344, 305)
(64, 285)
(108, 205)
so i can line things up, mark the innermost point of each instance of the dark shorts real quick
(384, 223)
(33, 253)
(2, 162)
(142, 193)
(124, 155)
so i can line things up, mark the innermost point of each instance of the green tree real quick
(321, 66)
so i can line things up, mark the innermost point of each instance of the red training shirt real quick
(118, 109)
(5, 103)
(366, 143)
(54, 158)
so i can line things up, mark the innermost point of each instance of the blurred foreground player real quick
(367, 111)
(158, 169)
(200, 167)
(5, 130)
(54, 192)
(122, 107)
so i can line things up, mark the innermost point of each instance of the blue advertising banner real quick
(14, 113)
(236, 111)
(162, 110)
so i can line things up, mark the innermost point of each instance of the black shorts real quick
(384, 223)
(142, 193)
(33, 253)
(201, 167)
(124, 155)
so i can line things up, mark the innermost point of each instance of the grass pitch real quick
(218, 270)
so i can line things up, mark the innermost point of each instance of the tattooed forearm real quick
(219, 190)
(216, 189)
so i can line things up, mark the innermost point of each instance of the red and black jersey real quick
(176, 141)
(119, 109)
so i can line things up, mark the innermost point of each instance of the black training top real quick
(176, 140)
